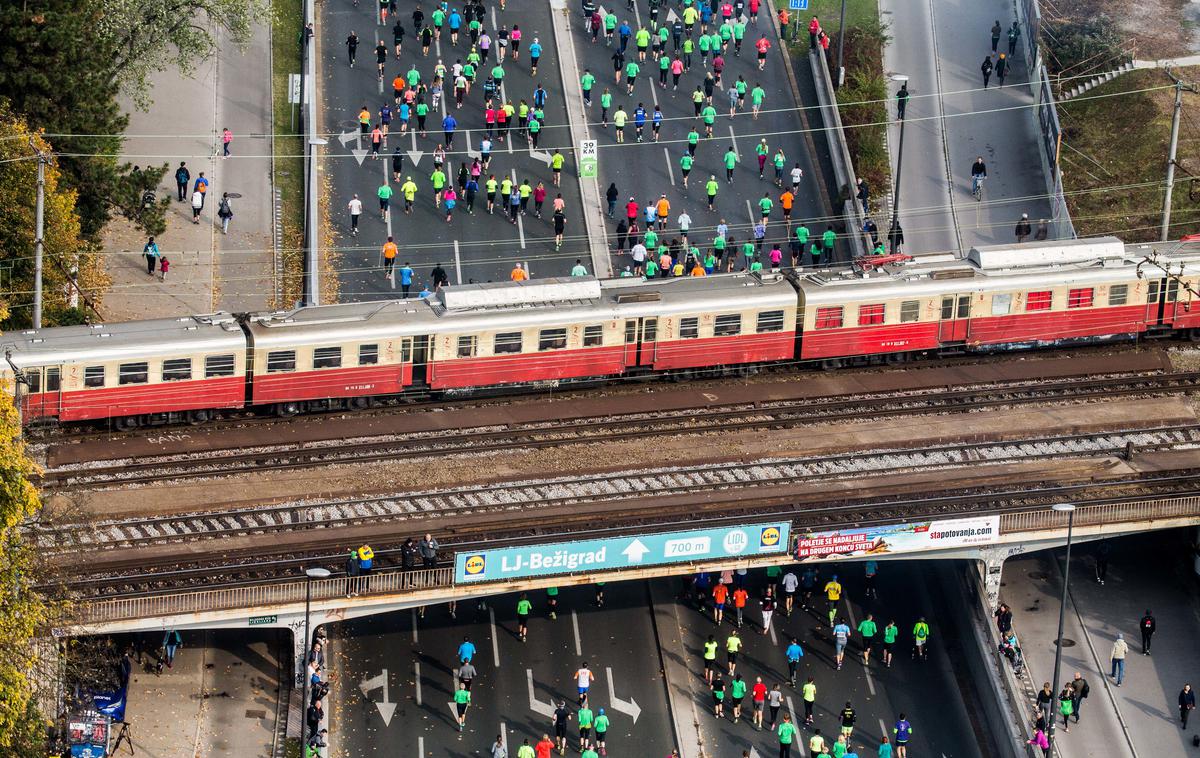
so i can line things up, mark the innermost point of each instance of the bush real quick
(865, 89)
(1081, 46)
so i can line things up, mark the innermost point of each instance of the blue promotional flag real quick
(111, 704)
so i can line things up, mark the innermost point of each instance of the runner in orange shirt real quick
(663, 208)
(519, 274)
(785, 202)
(720, 595)
(389, 256)
(739, 602)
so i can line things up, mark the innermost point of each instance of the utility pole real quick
(1164, 233)
(39, 231)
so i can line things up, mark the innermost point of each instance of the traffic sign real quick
(798, 5)
(587, 556)
(294, 87)
(588, 158)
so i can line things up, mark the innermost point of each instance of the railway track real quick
(531, 496)
(742, 416)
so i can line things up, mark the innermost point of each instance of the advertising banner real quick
(585, 556)
(891, 539)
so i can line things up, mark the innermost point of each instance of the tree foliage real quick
(67, 255)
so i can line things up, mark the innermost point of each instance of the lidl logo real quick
(769, 536)
(474, 565)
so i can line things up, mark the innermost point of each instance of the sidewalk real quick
(209, 271)
(219, 699)
(1139, 718)
(951, 121)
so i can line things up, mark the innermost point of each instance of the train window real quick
(1038, 301)
(1172, 289)
(218, 365)
(1079, 298)
(650, 330)
(1152, 292)
(368, 355)
(631, 331)
(829, 318)
(689, 328)
(1001, 304)
(466, 346)
(281, 361)
(910, 310)
(964, 306)
(93, 376)
(593, 336)
(948, 307)
(507, 342)
(727, 325)
(177, 369)
(770, 321)
(870, 314)
(53, 380)
(33, 381)
(1118, 294)
(552, 339)
(406, 350)
(327, 357)
(133, 373)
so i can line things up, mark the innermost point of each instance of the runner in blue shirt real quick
(902, 730)
(794, 653)
(841, 637)
(406, 276)
(656, 122)
(466, 651)
(639, 120)
(808, 583)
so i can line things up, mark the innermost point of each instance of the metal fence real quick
(847, 209)
(1108, 513)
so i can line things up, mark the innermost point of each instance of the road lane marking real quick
(421, 746)
(414, 620)
(575, 626)
(883, 727)
(774, 639)
(504, 736)
(535, 705)
(791, 708)
(670, 170)
(417, 669)
(458, 272)
(733, 141)
(491, 611)
(638, 16)
(520, 221)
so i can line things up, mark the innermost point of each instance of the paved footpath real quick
(1153, 571)
(219, 699)
(951, 120)
(209, 271)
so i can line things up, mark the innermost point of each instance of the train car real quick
(555, 331)
(335, 356)
(1001, 297)
(139, 372)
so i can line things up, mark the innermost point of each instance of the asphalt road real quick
(926, 691)
(649, 169)
(620, 638)
(470, 247)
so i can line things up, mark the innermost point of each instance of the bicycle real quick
(977, 187)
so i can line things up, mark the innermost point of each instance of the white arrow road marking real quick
(387, 709)
(629, 706)
(471, 154)
(754, 753)
(636, 551)
(414, 155)
(540, 155)
(672, 18)
(535, 705)
(575, 626)
(360, 153)
(347, 137)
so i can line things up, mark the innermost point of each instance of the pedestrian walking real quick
(225, 212)
(986, 68)
(1103, 551)
(997, 30)
(226, 141)
(1045, 701)
(1001, 69)
(1014, 34)
(1187, 704)
(1147, 625)
(1022, 231)
(182, 177)
(902, 96)
(197, 206)
(150, 250)
(1079, 692)
(1119, 650)
(1066, 706)
(768, 609)
(172, 641)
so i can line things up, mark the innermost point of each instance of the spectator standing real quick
(182, 177)
(1080, 689)
(150, 250)
(429, 550)
(1119, 649)
(1023, 231)
(1187, 704)
(1003, 616)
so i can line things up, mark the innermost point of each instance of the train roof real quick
(1000, 268)
(95, 343)
(499, 306)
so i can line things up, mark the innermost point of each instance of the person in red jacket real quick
(814, 29)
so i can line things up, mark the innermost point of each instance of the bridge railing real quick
(394, 582)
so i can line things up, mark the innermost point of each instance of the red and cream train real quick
(558, 331)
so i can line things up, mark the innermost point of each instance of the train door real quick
(417, 349)
(631, 341)
(648, 347)
(956, 313)
(1160, 299)
(41, 394)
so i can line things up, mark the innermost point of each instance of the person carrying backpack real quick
(225, 213)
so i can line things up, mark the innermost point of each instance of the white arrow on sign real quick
(535, 705)
(414, 155)
(347, 137)
(636, 551)
(629, 707)
(540, 155)
(387, 709)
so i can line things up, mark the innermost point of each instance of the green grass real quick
(286, 22)
(1114, 142)
(858, 13)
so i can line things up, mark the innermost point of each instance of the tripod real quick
(126, 736)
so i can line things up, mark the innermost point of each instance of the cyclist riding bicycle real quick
(978, 174)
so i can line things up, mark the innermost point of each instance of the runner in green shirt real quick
(693, 138)
(737, 690)
(551, 592)
(787, 735)
(438, 178)
(756, 266)
(385, 197)
(731, 160)
(920, 638)
(586, 719)
(462, 699)
(764, 207)
(710, 658)
(605, 104)
(523, 609)
(587, 81)
(809, 693)
(757, 96)
(779, 161)
(526, 750)
(631, 72)
(601, 730)
(651, 268)
(867, 628)
(890, 632)
(827, 240)
(709, 114)
(711, 188)
(642, 38)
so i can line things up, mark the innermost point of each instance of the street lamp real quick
(895, 233)
(1069, 509)
(309, 575)
(312, 234)
(841, 72)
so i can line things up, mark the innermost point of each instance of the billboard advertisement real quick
(891, 539)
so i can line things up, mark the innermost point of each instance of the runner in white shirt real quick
(685, 223)
(797, 174)
(583, 678)
(638, 252)
(355, 206)
(790, 583)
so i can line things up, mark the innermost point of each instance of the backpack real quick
(223, 210)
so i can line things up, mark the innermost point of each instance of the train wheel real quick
(287, 410)
(359, 403)
(195, 418)
(1194, 335)
(895, 359)
(126, 423)
(831, 364)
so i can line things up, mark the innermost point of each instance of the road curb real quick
(685, 721)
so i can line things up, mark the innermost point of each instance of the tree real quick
(151, 35)
(70, 262)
